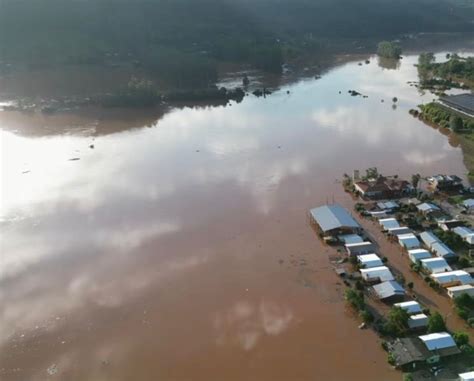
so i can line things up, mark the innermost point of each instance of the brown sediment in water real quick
(183, 251)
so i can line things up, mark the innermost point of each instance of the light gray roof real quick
(330, 217)
(463, 231)
(388, 289)
(428, 238)
(351, 238)
(438, 340)
(426, 207)
(435, 265)
(411, 306)
(389, 223)
(468, 203)
(441, 250)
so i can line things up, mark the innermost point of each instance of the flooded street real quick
(178, 247)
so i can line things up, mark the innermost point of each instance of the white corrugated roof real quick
(382, 272)
(436, 265)
(389, 223)
(412, 307)
(438, 340)
(468, 376)
(330, 217)
(370, 260)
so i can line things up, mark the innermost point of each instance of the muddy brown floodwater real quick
(179, 248)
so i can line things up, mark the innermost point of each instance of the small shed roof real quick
(439, 340)
(417, 321)
(428, 238)
(330, 217)
(409, 241)
(370, 260)
(388, 289)
(427, 207)
(387, 205)
(412, 307)
(464, 287)
(441, 250)
(389, 223)
(435, 265)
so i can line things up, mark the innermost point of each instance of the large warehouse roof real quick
(330, 217)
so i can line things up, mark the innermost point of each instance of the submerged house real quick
(389, 223)
(426, 349)
(445, 182)
(369, 261)
(456, 291)
(360, 248)
(408, 241)
(416, 255)
(388, 291)
(443, 251)
(427, 208)
(383, 187)
(417, 321)
(399, 231)
(411, 307)
(334, 220)
(435, 265)
(465, 233)
(452, 278)
(377, 274)
(428, 239)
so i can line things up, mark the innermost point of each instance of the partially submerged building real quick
(443, 251)
(427, 208)
(435, 265)
(445, 182)
(447, 225)
(428, 239)
(334, 220)
(389, 291)
(416, 255)
(411, 307)
(377, 274)
(460, 102)
(452, 278)
(399, 231)
(383, 187)
(368, 261)
(468, 204)
(456, 291)
(465, 233)
(360, 248)
(417, 321)
(426, 349)
(408, 241)
(350, 238)
(468, 376)
(389, 223)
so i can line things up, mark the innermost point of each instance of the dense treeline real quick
(454, 69)
(184, 39)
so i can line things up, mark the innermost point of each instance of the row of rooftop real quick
(336, 224)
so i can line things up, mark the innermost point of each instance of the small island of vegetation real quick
(389, 49)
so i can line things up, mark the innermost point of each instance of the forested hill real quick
(149, 32)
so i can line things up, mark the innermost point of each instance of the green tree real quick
(455, 123)
(415, 180)
(397, 322)
(436, 323)
(461, 338)
(389, 49)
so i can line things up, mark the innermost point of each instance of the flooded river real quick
(177, 246)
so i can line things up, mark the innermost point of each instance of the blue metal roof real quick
(388, 289)
(428, 238)
(330, 217)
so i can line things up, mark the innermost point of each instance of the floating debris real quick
(75, 159)
(53, 369)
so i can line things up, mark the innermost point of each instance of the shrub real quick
(436, 323)
(461, 338)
